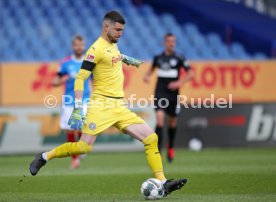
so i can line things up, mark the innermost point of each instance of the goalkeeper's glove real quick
(77, 118)
(131, 61)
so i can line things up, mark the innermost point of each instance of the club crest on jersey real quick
(92, 126)
(90, 58)
(116, 59)
(173, 62)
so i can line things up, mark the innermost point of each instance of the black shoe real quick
(171, 185)
(36, 164)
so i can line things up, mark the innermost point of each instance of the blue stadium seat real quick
(260, 56)
(198, 41)
(126, 49)
(146, 10)
(223, 53)
(31, 4)
(35, 44)
(24, 54)
(206, 53)
(191, 29)
(191, 53)
(5, 45)
(168, 21)
(62, 4)
(237, 49)
(8, 55)
(51, 24)
(13, 4)
(125, 3)
(245, 56)
(214, 40)
(109, 5)
(7, 14)
(79, 5)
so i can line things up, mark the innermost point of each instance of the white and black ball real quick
(152, 189)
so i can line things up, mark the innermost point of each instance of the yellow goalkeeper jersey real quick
(108, 76)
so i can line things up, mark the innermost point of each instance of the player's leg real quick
(133, 125)
(82, 156)
(83, 146)
(160, 116)
(95, 125)
(172, 121)
(145, 134)
(172, 110)
(71, 136)
(79, 133)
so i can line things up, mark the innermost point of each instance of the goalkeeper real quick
(105, 61)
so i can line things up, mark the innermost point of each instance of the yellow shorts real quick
(103, 112)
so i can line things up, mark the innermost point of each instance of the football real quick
(152, 189)
(195, 144)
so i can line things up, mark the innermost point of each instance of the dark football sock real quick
(171, 136)
(159, 132)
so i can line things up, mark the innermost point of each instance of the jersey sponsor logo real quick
(90, 57)
(116, 59)
(165, 66)
(172, 73)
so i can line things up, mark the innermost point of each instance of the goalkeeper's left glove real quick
(77, 118)
(131, 61)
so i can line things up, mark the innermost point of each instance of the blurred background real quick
(231, 45)
(213, 30)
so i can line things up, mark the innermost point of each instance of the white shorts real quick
(65, 115)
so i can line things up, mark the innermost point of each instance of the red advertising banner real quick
(245, 81)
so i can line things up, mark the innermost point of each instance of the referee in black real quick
(171, 70)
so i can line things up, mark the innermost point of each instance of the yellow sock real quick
(69, 149)
(153, 156)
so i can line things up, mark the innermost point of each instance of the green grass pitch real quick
(214, 175)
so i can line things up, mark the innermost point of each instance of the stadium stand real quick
(233, 22)
(42, 30)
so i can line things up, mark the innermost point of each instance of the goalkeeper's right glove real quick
(131, 61)
(77, 118)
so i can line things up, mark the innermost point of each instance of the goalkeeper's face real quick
(114, 31)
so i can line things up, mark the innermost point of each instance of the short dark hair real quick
(115, 16)
(77, 37)
(168, 35)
